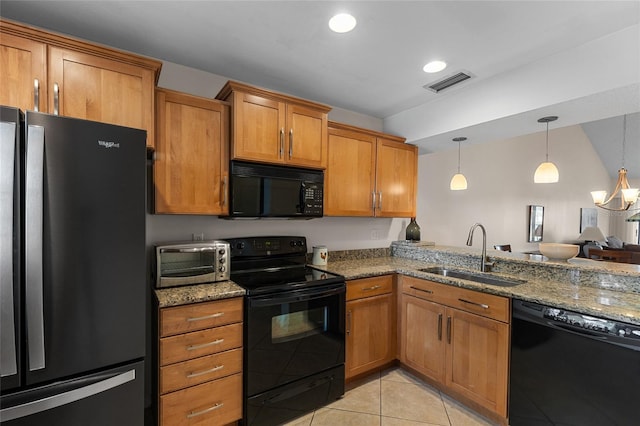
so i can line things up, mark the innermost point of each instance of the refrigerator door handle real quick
(8, 361)
(34, 207)
(34, 407)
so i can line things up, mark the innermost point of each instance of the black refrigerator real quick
(72, 271)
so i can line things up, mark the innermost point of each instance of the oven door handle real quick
(296, 296)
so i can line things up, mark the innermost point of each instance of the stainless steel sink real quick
(484, 278)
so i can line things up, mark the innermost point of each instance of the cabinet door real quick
(396, 177)
(422, 341)
(191, 166)
(307, 137)
(350, 175)
(369, 334)
(22, 62)
(477, 357)
(258, 128)
(100, 89)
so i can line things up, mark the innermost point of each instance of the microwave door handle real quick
(302, 200)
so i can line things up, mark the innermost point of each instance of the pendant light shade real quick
(547, 172)
(458, 181)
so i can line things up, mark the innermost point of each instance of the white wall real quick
(335, 232)
(500, 189)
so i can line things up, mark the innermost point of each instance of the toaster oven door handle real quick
(187, 249)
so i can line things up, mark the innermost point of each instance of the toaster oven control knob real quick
(222, 260)
(221, 252)
(222, 269)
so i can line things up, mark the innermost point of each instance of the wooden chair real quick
(502, 247)
(610, 255)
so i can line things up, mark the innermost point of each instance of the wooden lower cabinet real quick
(460, 348)
(200, 359)
(370, 341)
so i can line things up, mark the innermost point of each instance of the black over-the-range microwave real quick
(261, 190)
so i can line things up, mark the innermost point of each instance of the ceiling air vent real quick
(447, 82)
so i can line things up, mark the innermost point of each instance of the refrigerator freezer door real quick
(10, 247)
(8, 343)
(113, 397)
(91, 239)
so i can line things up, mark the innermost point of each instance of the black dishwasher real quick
(569, 368)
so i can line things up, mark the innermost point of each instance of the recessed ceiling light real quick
(434, 66)
(342, 23)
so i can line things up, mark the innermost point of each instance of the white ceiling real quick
(377, 68)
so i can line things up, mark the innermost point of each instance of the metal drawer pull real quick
(197, 413)
(439, 326)
(200, 373)
(56, 99)
(373, 200)
(36, 95)
(349, 321)
(204, 345)
(482, 305)
(375, 287)
(216, 315)
(421, 289)
(290, 143)
(281, 143)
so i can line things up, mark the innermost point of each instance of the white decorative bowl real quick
(557, 251)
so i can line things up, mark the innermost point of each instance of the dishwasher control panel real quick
(588, 322)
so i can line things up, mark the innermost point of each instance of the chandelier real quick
(628, 195)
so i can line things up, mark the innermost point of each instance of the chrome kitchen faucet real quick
(485, 265)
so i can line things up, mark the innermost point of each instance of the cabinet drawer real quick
(425, 289)
(217, 402)
(200, 343)
(366, 287)
(198, 316)
(487, 305)
(200, 370)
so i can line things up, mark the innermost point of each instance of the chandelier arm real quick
(620, 184)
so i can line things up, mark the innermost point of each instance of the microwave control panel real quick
(312, 198)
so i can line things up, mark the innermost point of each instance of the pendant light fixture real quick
(547, 172)
(628, 195)
(458, 181)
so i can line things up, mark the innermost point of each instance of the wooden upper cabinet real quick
(274, 128)
(76, 78)
(100, 89)
(369, 174)
(23, 73)
(191, 171)
(396, 177)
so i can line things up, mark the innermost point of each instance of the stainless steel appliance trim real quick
(196, 279)
(43, 404)
(34, 205)
(8, 361)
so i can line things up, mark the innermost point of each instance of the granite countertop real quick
(603, 289)
(184, 295)
(563, 285)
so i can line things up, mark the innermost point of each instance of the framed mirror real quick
(536, 219)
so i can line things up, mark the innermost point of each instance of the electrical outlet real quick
(198, 237)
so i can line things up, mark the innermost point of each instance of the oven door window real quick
(289, 340)
(298, 325)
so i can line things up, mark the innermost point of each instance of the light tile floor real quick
(392, 398)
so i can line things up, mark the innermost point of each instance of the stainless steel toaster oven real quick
(195, 262)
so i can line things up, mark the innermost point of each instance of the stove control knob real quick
(292, 243)
(240, 246)
(299, 243)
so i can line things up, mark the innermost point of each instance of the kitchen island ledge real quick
(604, 289)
